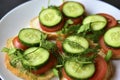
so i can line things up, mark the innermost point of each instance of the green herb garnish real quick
(118, 21)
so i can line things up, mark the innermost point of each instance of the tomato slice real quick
(105, 48)
(50, 64)
(101, 70)
(64, 74)
(77, 20)
(59, 45)
(18, 44)
(111, 20)
(54, 28)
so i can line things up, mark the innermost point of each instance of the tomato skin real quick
(111, 20)
(59, 45)
(105, 48)
(101, 70)
(51, 63)
(17, 44)
(54, 28)
(77, 20)
(64, 74)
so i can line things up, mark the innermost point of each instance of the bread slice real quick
(22, 73)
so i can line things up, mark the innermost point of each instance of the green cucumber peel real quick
(108, 55)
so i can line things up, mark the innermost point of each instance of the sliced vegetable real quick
(46, 67)
(54, 28)
(77, 71)
(77, 20)
(30, 36)
(100, 69)
(75, 44)
(111, 21)
(18, 44)
(72, 9)
(59, 45)
(50, 17)
(65, 76)
(97, 22)
(35, 57)
(112, 37)
(108, 55)
(105, 48)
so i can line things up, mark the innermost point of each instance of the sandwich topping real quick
(81, 48)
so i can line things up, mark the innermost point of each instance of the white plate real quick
(20, 17)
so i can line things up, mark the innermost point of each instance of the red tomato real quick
(64, 74)
(77, 20)
(18, 44)
(111, 20)
(54, 28)
(105, 48)
(59, 45)
(51, 63)
(101, 70)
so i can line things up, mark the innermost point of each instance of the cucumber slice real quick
(50, 17)
(97, 22)
(73, 9)
(30, 36)
(77, 71)
(75, 44)
(112, 37)
(35, 57)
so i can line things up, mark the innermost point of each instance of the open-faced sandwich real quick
(49, 25)
(65, 42)
(26, 59)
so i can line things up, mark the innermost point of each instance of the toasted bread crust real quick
(26, 75)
